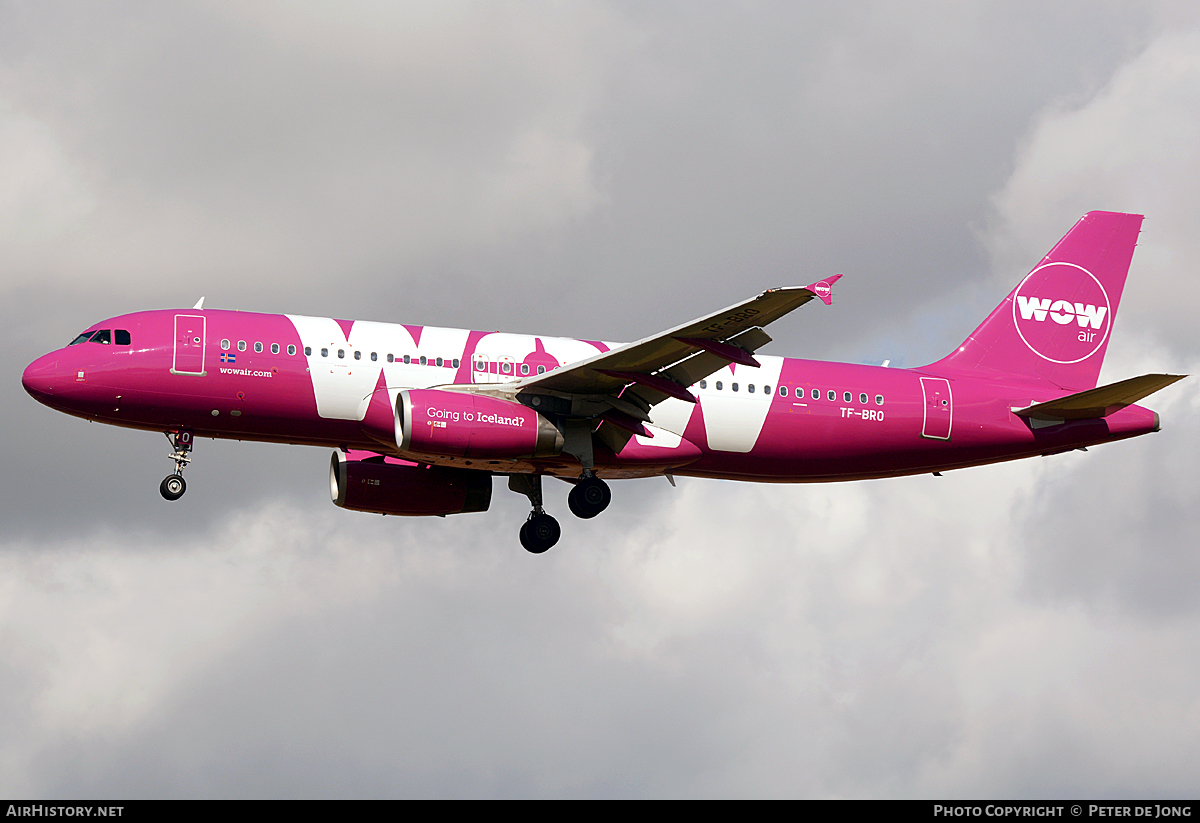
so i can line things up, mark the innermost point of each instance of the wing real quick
(622, 385)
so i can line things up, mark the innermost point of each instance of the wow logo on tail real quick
(1062, 312)
(1053, 328)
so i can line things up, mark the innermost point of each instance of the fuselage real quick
(324, 382)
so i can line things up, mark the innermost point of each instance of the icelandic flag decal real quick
(228, 358)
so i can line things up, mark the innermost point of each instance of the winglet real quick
(824, 289)
(199, 304)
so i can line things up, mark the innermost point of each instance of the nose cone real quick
(40, 376)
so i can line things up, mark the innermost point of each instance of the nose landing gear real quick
(173, 485)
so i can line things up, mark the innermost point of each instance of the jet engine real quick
(386, 485)
(460, 424)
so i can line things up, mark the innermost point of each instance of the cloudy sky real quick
(599, 170)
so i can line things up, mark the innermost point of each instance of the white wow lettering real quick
(1061, 311)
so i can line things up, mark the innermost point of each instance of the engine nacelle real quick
(386, 485)
(460, 424)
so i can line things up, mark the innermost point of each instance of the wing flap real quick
(701, 365)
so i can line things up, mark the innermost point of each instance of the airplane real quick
(422, 418)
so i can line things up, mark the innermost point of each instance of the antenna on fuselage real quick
(199, 303)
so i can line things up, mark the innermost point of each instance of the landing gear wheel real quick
(172, 487)
(589, 497)
(540, 532)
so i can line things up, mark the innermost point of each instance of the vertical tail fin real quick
(1055, 325)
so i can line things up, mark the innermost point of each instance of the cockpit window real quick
(103, 336)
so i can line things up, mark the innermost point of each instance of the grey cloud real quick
(1130, 148)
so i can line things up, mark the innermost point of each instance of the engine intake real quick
(387, 485)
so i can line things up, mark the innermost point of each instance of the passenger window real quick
(440, 361)
(704, 384)
(424, 360)
(358, 355)
(879, 400)
(308, 351)
(258, 347)
(455, 362)
(750, 388)
(407, 359)
(506, 367)
(848, 397)
(862, 398)
(832, 394)
(341, 354)
(241, 345)
(719, 386)
(391, 358)
(783, 391)
(374, 356)
(541, 369)
(225, 345)
(766, 389)
(274, 348)
(524, 368)
(816, 394)
(324, 352)
(291, 349)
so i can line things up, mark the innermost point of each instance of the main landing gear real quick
(540, 531)
(590, 496)
(173, 486)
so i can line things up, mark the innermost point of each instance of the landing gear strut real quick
(590, 496)
(541, 531)
(173, 487)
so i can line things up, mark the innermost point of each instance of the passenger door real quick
(939, 408)
(189, 345)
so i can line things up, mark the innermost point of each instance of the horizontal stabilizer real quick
(1101, 401)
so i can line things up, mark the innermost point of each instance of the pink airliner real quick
(422, 418)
